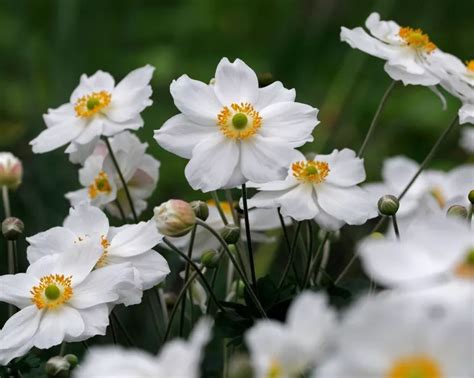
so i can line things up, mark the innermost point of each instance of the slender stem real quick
(377, 114)
(62, 351)
(213, 282)
(112, 330)
(249, 238)
(315, 258)
(291, 257)
(10, 247)
(216, 199)
(198, 271)
(120, 208)
(428, 157)
(6, 202)
(164, 309)
(347, 267)
(122, 179)
(324, 263)
(469, 214)
(230, 201)
(236, 265)
(395, 226)
(186, 276)
(154, 313)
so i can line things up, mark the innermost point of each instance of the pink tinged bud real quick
(174, 218)
(11, 170)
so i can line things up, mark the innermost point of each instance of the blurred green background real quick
(45, 46)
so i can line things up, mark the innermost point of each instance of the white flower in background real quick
(261, 220)
(429, 250)
(196, 293)
(11, 170)
(232, 130)
(280, 350)
(467, 139)
(400, 337)
(97, 107)
(129, 243)
(101, 182)
(324, 189)
(61, 298)
(178, 358)
(406, 50)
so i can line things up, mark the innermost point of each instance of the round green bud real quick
(200, 209)
(210, 259)
(52, 292)
(470, 196)
(72, 359)
(12, 228)
(239, 120)
(57, 366)
(388, 205)
(231, 234)
(457, 211)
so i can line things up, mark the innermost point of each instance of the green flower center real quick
(52, 292)
(92, 103)
(239, 121)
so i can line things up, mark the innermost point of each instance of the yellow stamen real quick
(103, 258)
(466, 268)
(274, 370)
(100, 185)
(415, 367)
(310, 171)
(239, 121)
(224, 206)
(417, 39)
(470, 65)
(439, 197)
(52, 291)
(92, 103)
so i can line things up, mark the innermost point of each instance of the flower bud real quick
(231, 234)
(200, 209)
(57, 366)
(174, 218)
(12, 228)
(388, 205)
(210, 259)
(11, 170)
(457, 211)
(72, 359)
(470, 197)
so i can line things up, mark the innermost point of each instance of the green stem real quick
(10, 247)
(249, 238)
(395, 226)
(315, 259)
(186, 276)
(291, 257)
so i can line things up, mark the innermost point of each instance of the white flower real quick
(11, 170)
(467, 139)
(399, 337)
(178, 358)
(97, 107)
(129, 243)
(288, 350)
(406, 50)
(101, 182)
(232, 130)
(429, 249)
(324, 189)
(61, 299)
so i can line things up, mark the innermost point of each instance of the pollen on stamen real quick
(417, 39)
(470, 65)
(101, 185)
(92, 103)
(52, 291)
(103, 258)
(239, 121)
(310, 171)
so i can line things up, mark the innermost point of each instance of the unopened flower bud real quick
(11, 170)
(12, 228)
(231, 234)
(210, 259)
(200, 209)
(470, 197)
(170, 300)
(457, 211)
(388, 205)
(174, 218)
(57, 366)
(72, 359)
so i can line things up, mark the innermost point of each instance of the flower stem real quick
(164, 310)
(10, 246)
(249, 239)
(324, 263)
(6, 202)
(375, 120)
(186, 276)
(395, 226)
(291, 256)
(236, 265)
(122, 179)
(315, 259)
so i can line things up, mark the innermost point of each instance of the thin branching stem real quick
(186, 276)
(249, 238)
(291, 256)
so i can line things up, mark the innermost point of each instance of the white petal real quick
(401, 73)
(273, 93)
(212, 164)
(54, 240)
(196, 100)
(235, 83)
(180, 135)
(466, 115)
(96, 320)
(359, 39)
(57, 136)
(100, 81)
(112, 128)
(345, 169)
(299, 203)
(328, 222)
(292, 122)
(135, 239)
(15, 289)
(20, 328)
(87, 220)
(92, 130)
(78, 196)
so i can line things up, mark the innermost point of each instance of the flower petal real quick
(19, 329)
(54, 240)
(87, 220)
(299, 203)
(92, 130)
(274, 93)
(57, 136)
(96, 320)
(100, 81)
(15, 289)
(135, 239)
(328, 222)
(345, 168)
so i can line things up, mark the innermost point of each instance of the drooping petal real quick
(400, 72)
(96, 320)
(92, 130)
(345, 169)
(272, 94)
(235, 83)
(135, 239)
(15, 289)
(54, 240)
(112, 128)
(359, 39)
(87, 220)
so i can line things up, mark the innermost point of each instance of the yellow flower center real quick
(466, 268)
(470, 65)
(417, 39)
(274, 370)
(239, 121)
(92, 103)
(415, 367)
(52, 291)
(310, 171)
(439, 197)
(103, 258)
(100, 185)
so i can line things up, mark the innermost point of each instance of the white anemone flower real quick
(129, 243)
(467, 139)
(178, 358)
(100, 179)
(324, 189)
(401, 337)
(430, 250)
(61, 298)
(232, 130)
(406, 50)
(97, 107)
(290, 349)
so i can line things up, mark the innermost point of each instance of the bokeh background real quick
(45, 46)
